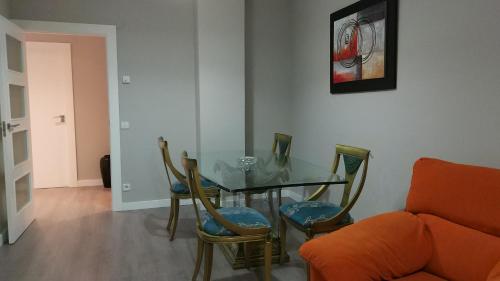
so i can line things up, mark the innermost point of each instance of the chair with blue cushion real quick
(224, 225)
(314, 217)
(179, 187)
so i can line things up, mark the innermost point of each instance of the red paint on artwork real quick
(343, 77)
(349, 50)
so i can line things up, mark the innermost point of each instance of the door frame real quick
(109, 33)
(71, 177)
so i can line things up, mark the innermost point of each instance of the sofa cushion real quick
(460, 253)
(315, 274)
(495, 273)
(382, 247)
(420, 276)
(464, 194)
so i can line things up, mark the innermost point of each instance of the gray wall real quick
(156, 48)
(268, 71)
(447, 103)
(5, 8)
(221, 74)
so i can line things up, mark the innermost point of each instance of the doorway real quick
(109, 33)
(52, 114)
(69, 108)
(16, 177)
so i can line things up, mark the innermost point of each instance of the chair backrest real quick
(354, 158)
(169, 165)
(464, 194)
(282, 144)
(194, 183)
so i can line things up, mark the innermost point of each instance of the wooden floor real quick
(76, 237)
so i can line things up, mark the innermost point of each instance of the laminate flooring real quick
(76, 237)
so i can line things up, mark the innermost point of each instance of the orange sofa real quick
(450, 230)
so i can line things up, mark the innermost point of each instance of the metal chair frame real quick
(347, 202)
(206, 241)
(176, 197)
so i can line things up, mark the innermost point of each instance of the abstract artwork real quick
(363, 47)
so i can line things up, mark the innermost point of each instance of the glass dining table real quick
(237, 173)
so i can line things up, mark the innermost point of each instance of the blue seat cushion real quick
(242, 216)
(308, 212)
(181, 188)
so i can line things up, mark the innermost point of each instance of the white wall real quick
(155, 42)
(156, 46)
(268, 71)
(221, 74)
(446, 104)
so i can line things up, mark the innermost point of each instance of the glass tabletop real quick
(234, 172)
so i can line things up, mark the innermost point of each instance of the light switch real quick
(125, 125)
(126, 79)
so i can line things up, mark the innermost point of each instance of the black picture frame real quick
(391, 37)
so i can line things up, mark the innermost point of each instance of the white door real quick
(16, 134)
(52, 114)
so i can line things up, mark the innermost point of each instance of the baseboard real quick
(165, 203)
(151, 204)
(94, 182)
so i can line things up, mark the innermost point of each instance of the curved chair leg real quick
(282, 240)
(176, 218)
(308, 266)
(217, 201)
(246, 252)
(270, 200)
(199, 257)
(248, 199)
(209, 250)
(171, 215)
(279, 197)
(309, 236)
(268, 256)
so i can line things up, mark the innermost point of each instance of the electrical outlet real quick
(126, 79)
(125, 125)
(126, 187)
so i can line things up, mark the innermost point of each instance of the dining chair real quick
(224, 225)
(282, 144)
(179, 187)
(313, 217)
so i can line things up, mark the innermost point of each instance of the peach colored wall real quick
(90, 90)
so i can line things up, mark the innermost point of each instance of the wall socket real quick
(126, 187)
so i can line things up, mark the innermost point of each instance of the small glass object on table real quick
(246, 162)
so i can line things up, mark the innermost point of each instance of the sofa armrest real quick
(383, 247)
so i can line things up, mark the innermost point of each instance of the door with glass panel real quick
(16, 135)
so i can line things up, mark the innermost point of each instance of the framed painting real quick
(363, 47)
